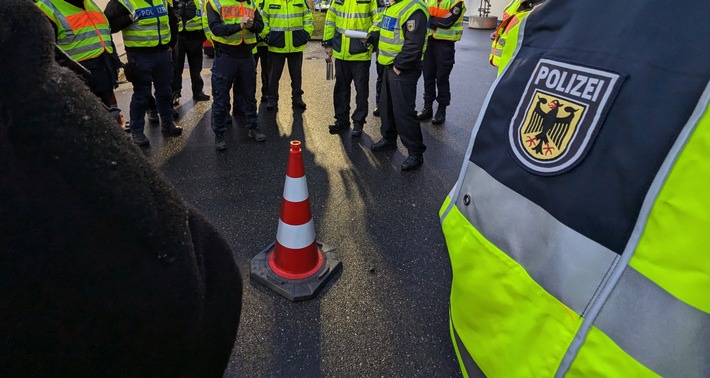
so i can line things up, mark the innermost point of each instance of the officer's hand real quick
(248, 22)
(493, 36)
(396, 70)
(329, 51)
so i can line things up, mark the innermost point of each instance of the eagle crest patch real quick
(559, 115)
(411, 25)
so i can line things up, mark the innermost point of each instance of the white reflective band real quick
(296, 237)
(296, 189)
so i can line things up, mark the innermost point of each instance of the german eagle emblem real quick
(548, 128)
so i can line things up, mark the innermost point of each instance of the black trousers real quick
(227, 71)
(189, 44)
(397, 113)
(262, 54)
(438, 63)
(378, 83)
(347, 72)
(276, 67)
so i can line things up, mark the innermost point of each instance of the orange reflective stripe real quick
(515, 20)
(438, 12)
(85, 19)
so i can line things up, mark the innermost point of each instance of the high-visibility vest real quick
(82, 34)
(578, 229)
(205, 22)
(349, 15)
(232, 12)
(283, 18)
(151, 28)
(441, 8)
(391, 38)
(259, 6)
(194, 23)
(512, 15)
(377, 19)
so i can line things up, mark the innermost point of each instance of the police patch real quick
(559, 115)
(411, 25)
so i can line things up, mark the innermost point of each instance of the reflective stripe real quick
(296, 237)
(138, 38)
(288, 15)
(469, 365)
(567, 264)
(330, 23)
(98, 47)
(649, 324)
(648, 203)
(287, 28)
(352, 15)
(295, 189)
(62, 20)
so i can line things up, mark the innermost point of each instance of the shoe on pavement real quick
(357, 130)
(440, 116)
(426, 113)
(299, 104)
(219, 143)
(257, 135)
(412, 162)
(176, 98)
(384, 145)
(153, 116)
(140, 139)
(201, 97)
(376, 112)
(337, 127)
(171, 129)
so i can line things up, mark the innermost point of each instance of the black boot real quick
(440, 115)
(171, 129)
(426, 113)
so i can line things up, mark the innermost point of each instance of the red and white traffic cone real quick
(295, 265)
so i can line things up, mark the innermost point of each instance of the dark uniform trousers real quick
(276, 67)
(397, 113)
(241, 72)
(438, 63)
(378, 83)
(190, 44)
(154, 67)
(346, 72)
(262, 54)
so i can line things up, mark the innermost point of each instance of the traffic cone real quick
(295, 265)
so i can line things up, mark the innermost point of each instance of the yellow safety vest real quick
(259, 5)
(151, 28)
(232, 12)
(195, 23)
(391, 38)
(512, 16)
(288, 25)
(349, 15)
(82, 34)
(205, 23)
(580, 247)
(441, 8)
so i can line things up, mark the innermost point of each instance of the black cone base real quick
(295, 290)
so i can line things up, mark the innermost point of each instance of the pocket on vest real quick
(337, 41)
(357, 47)
(277, 39)
(300, 38)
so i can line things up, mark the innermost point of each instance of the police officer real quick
(402, 42)
(149, 30)
(380, 69)
(190, 40)
(86, 39)
(513, 13)
(288, 25)
(446, 25)
(578, 229)
(352, 60)
(262, 56)
(234, 25)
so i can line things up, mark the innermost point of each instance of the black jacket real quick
(105, 271)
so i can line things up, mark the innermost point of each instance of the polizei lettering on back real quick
(559, 115)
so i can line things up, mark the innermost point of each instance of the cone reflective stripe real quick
(295, 265)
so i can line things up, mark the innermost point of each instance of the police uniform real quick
(513, 13)
(401, 45)
(288, 25)
(578, 230)
(189, 43)
(262, 56)
(149, 28)
(446, 25)
(380, 69)
(83, 33)
(352, 59)
(233, 63)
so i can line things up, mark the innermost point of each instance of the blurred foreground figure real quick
(578, 230)
(104, 270)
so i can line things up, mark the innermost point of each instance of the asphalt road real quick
(386, 313)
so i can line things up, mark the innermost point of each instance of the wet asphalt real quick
(386, 312)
